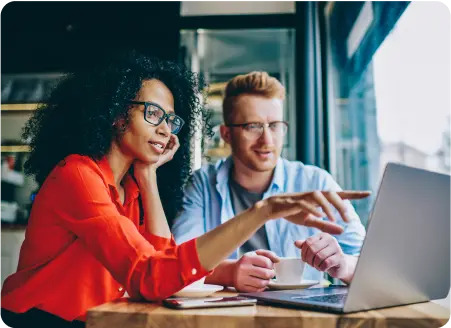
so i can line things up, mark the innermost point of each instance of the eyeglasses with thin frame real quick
(255, 129)
(154, 115)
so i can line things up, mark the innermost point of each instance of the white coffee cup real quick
(197, 284)
(289, 270)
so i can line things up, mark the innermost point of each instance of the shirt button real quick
(121, 289)
(193, 271)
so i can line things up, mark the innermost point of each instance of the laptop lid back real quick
(405, 257)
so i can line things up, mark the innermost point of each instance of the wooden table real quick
(126, 314)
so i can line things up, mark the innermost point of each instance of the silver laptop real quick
(405, 257)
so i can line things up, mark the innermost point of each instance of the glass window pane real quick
(219, 55)
(396, 108)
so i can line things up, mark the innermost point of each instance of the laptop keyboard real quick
(333, 298)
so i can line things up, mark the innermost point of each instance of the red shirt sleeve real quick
(158, 242)
(148, 266)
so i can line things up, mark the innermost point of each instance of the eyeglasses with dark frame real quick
(255, 129)
(154, 114)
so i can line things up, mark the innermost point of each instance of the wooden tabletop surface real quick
(127, 314)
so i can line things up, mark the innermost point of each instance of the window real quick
(219, 55)
(388, 90)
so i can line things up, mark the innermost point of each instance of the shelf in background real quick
(16, 149)
(20, 107)
(8, 226)
(217, 88)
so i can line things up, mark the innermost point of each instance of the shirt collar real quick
(107, 171)
(131, 188)
(224, 166)
(130, 185)
(278, 179)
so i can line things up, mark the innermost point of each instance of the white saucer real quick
(273, 284)
(203, 291)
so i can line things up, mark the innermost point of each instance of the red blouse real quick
(83, 247)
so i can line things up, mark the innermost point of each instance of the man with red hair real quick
(255, 129)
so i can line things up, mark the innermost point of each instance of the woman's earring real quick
(123, 128)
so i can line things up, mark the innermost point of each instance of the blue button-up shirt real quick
(207, 203)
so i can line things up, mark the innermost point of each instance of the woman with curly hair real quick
(110, 150)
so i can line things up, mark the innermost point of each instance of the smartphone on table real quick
(208, 302)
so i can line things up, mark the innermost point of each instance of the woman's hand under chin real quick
(169, 152)
(143, 172)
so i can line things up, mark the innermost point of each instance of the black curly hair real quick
(79, 115)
